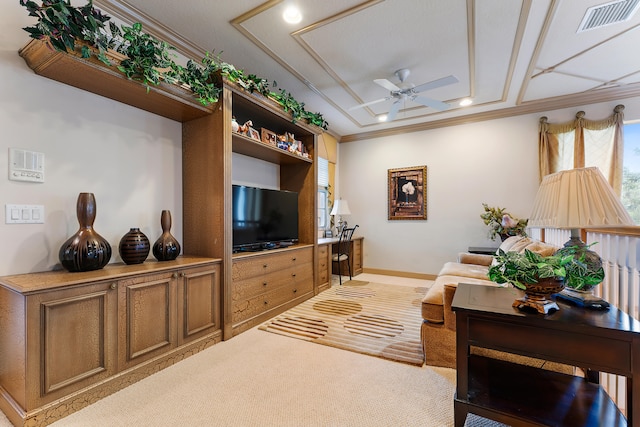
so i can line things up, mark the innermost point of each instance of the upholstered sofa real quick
(439, 324)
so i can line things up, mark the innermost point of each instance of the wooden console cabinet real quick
(607, 341)
(267, 283)
(69, 339)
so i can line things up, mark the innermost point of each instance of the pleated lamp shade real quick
(340, 207)
(577, 198)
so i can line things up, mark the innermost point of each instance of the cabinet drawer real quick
(264, 264)
(252, 307)
(252, 286)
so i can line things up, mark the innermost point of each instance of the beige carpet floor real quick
(371, 318)
(263, 379)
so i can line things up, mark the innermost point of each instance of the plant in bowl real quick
(541, 276)
(502, 223)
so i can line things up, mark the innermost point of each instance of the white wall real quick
(130, 159)
(493, 162)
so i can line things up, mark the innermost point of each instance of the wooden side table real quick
(607, 341)
(484, 250)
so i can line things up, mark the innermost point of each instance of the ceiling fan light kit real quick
(407, 91)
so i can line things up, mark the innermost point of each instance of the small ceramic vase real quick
(166, 248)
(134, 247)
(86, 250)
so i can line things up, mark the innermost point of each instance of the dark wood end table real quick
(597, 341)
(484, 250)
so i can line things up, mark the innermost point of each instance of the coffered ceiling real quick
(509, 56)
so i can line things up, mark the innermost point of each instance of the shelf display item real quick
(134, 247)
(166, 248)
(86, 250)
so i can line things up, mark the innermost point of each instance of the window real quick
(631, 171)
(323, 194)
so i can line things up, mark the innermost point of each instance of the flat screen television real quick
(263, 218)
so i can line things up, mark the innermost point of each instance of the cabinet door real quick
(72, 340)
(147, 323)
(324, 267)
(357, 256)
(199, 302)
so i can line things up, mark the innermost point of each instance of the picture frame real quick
(268, 137)
(253, 133)
(407, 193)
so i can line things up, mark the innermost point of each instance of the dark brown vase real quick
(166, 248)
(86, 250)
(134, 247)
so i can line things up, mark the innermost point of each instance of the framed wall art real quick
(253, 133)
(408, 193)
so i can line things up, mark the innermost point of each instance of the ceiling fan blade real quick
(395, 107)
(436, 83)
(428, 102)
(366, 104)
(387, 85)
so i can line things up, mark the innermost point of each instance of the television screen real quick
(263, 218)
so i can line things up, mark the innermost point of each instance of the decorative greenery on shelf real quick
(502, 223)
(149, 60)
(519, 268)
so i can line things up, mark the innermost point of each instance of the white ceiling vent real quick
(608, 13)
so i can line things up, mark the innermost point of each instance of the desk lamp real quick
(340, 207)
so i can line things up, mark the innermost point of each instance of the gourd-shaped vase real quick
(166, 248)
(86, 250)
(134, 247)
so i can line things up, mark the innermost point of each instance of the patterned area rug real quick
(369, 318)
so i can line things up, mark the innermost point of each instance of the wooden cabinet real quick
(268, 283)
(208, 147)
(69, 339)
(324, 266)
(356, 255)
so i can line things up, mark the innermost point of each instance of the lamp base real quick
(584, 299)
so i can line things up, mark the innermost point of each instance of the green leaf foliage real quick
(149, 60)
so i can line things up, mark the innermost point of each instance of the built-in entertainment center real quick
(269, 256)
(73, 338)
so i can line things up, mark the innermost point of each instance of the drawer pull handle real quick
(174, 275)
(293, 274)
(264, 266)
(113, 286)
(264, 284)
(294, 258)
(266, 302)
(295, 290)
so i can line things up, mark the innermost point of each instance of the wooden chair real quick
(344, 251)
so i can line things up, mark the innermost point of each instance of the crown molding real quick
(547, 104)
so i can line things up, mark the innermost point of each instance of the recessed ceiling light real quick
(382, 118)
(465, 102)
(292, 15)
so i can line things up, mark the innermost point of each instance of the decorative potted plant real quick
(541, 276)
(503, 224)
(84, 31)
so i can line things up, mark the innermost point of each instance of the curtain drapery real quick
(582, 143)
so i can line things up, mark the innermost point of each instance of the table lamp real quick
(575, 199)
(340, 207)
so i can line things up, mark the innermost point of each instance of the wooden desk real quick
(607, 341)
(329, 246)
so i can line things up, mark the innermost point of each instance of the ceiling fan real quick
(408, 91)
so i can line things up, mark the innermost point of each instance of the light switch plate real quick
(24, 214)
(26, 165)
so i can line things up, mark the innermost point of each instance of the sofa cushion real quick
(453, 268)
(433, 301)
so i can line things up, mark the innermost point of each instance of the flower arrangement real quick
(502, 223)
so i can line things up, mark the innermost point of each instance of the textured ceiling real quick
(510, 56)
